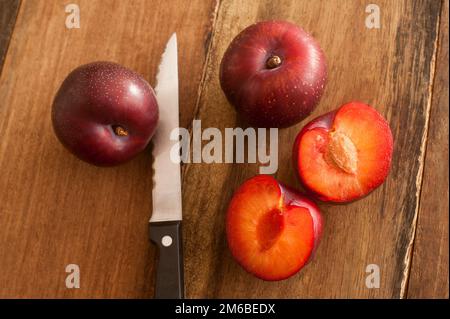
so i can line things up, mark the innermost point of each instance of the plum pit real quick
(342, 152)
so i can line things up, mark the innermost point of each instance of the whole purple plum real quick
(104, 113)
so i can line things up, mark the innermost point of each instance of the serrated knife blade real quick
(167, 180)
(165, 222)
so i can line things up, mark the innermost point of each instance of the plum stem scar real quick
(273, 62)
(120, 131)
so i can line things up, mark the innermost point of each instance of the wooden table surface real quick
(56, 210)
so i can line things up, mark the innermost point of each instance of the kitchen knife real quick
(165, 222)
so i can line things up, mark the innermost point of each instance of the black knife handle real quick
(169, 274)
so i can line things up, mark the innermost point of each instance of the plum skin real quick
(293, 197)
(104, 113)
(273, 96)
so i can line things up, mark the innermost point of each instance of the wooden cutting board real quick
(56, 210)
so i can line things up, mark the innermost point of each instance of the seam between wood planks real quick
(422, 156)
(202, 83)
(5, 54)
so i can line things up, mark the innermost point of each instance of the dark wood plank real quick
(54, 209)
(390, 68)
(429, 272)
(8, 14)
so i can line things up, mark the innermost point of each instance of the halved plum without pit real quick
(272, 230)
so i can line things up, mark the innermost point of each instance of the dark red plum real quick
(104, 113)
(273, 73)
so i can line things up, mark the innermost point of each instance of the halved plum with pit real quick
(345, 154)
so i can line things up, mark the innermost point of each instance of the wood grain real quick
(8, 13)
(389, 68)
(429, 272)
(54, 209)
